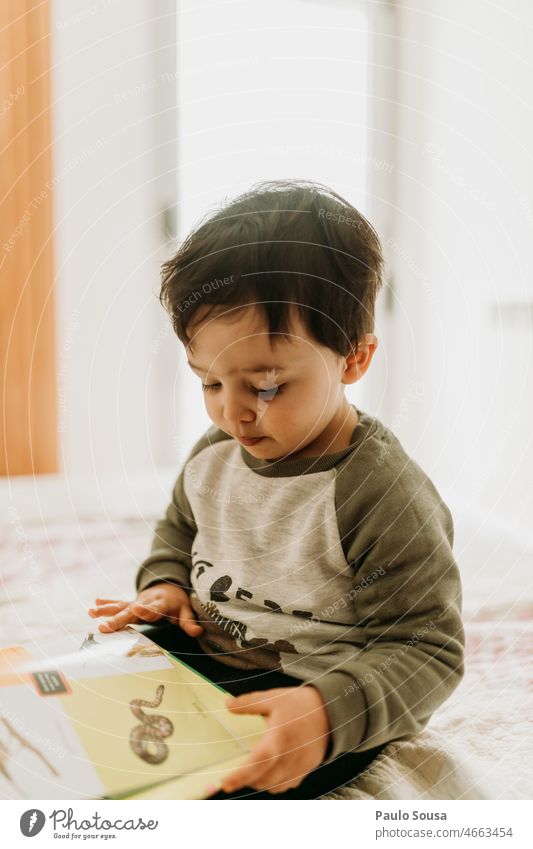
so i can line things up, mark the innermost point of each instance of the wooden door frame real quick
(28, 415)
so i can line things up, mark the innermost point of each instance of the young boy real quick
(303, 550)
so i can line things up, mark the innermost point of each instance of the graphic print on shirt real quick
(224, 635)
(269, 579)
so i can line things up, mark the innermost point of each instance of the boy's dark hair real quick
(283, 245)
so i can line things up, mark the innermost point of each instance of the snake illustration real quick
(151, 732)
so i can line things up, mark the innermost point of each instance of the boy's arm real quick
(170, 554)
(407, 598)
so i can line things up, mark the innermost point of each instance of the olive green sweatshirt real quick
(337, 570)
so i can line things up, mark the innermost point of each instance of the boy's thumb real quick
(188, 621)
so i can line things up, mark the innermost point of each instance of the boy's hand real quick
(160, 601)
(295, 743)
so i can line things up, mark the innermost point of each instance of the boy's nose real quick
(238, 413)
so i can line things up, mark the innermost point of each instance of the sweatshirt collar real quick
(310, 465)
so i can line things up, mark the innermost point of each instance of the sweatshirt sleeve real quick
(407, 599)
(170, 554)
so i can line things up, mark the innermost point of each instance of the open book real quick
(113, 716)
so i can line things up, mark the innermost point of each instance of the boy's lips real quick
(248, 440)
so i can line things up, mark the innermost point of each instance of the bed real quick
(62, 544)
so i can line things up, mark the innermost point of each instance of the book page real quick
(106, 715)
(191, 786)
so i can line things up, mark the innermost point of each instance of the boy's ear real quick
(358, 362)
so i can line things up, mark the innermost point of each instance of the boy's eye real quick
(264, 394)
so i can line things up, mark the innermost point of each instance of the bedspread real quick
(479, 745)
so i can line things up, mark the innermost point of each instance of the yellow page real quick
(193, 786)
(142, 729)
(248, 728)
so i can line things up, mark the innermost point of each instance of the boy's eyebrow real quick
(252, 370)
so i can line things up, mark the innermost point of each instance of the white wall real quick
(461, 249)
(454, 205)
(110, 183)
(135, 131)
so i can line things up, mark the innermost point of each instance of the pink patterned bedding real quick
(478, 745)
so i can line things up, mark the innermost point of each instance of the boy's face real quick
(289, 398)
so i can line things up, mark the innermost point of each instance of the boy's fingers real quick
(251, 703)
(126, 617)
(194, 629)
(108, 609)
(257, 766)
(109, 601)
(148, 612)
(188, 621)
(155, 607)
